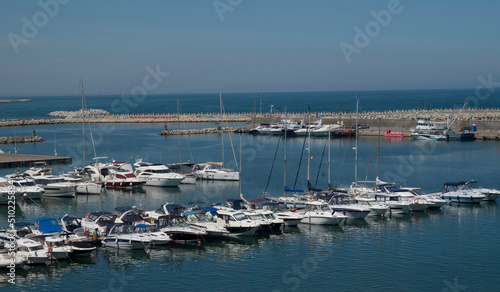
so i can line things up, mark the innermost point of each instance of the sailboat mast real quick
(284, 159)
(356, 145)
(261, 103)
(378, 148)
(83, 126)
(329, 143)
(179, 129)
(221, 127)
(309, 142)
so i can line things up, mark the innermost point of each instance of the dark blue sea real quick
(380, 100)
(453, 249)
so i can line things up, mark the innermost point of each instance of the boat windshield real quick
(270, 216)
(240, 216)
(55, 243)
(37, 247)
(28, 184)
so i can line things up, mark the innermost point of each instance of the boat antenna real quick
(329, 144)
(240, 166)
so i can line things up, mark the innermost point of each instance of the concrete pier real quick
(23, 160)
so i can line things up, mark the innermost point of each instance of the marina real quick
(324, 247)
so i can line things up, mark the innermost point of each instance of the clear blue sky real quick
(280, 45)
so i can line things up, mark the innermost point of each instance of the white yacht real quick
(33, 250)
(97, 222)
(320, 213)
(461, 192)
(121, 236)
(490, 194)
(215, 171)
(157, 237)
(236, 223)
(55, 186)
(344, 203)
(266, 225)
(289, 218)
(8, 257)
(26, 188)
(377, 209)
(207, 222)
(155, 174)
(56, 248)
(434, 202)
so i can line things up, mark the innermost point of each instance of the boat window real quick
(38, 247)
(239, 216)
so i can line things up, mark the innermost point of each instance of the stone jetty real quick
(200, 131)
(20, 139)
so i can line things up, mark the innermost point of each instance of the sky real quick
(197, 46)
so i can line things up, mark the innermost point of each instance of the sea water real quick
(452, 249)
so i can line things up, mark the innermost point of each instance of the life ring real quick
(294, 209)
(355, 195)
(87, 215)
(415, 201)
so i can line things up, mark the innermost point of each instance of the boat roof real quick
(455, 183)
(211, 163)
(48, 225)
(123, 209)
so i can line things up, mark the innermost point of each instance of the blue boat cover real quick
(48, 225)
(287, 189)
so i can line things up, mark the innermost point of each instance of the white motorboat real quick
(265, 224)
(56, 248)
(490, 194)
(7, 193)
(289, 218)
(206, 222)
(158, 175)
(291, 202)
(157, 237)
(97, 222)
(237, 223)
(33, 250)
(434, 202)
(319, 213)
(376, 208)
(55, 186)
(344, 203)
(179, 230)
(416, 203)
(396, 204)
(10, 258)
(461, 192)
(121, 236)
(26, 188)
(215, 171)
(186, 169)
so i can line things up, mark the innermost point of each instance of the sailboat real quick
(216, 170)
(184, 168)
(83, 186)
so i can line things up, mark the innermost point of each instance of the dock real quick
(8, 160)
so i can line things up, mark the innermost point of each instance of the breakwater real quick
(20, 139)
(200, 131)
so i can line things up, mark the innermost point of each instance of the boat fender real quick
(294, 209)
(86, 233)
(50, 248)
(415, 201)
(355, 195)
(471, 198)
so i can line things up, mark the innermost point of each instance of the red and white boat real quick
(390, 134)
(123, 177)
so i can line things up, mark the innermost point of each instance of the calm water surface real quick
(454, 248)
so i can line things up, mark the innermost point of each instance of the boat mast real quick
(378, 149)
(309, 141)
(179, 129)
(261, 103)
(329, 143)
(356, 146)
(221, 127)
(83, 126)
(284, 172)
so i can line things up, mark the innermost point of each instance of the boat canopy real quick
(455, 184)
(123, 209)
(287, 189)
(48, 225)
